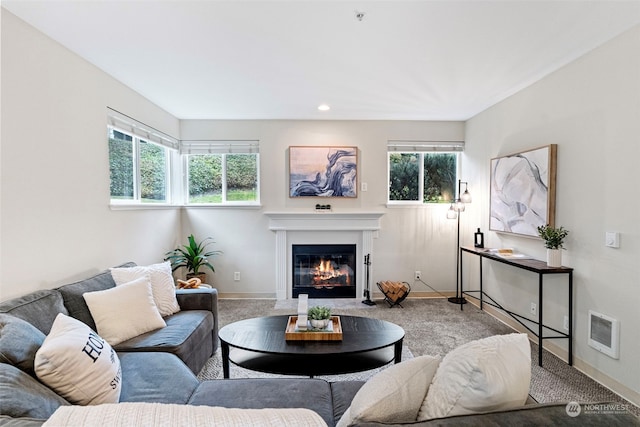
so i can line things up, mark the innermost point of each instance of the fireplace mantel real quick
(297, 226)
(324, 221)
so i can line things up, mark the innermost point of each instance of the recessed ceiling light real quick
(323, 107)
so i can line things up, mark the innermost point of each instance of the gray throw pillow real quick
(23, 396)
(19, 341)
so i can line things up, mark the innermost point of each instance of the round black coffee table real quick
(259, 344)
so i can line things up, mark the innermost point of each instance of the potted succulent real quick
(554, 242)
(194, 257)
(319, 316)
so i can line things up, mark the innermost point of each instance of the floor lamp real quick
(454, 213)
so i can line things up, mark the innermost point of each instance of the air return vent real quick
(604, 334)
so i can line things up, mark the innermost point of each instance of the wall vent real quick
(604, 334)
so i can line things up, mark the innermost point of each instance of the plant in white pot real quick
(319, 316)
(554, 242)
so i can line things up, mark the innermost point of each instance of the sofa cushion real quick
(393, 394)
(19, 342)
(342, 393)
(78, 364)
(72, 294)
(125, 311)
(39, 308)
(187, 335)
(483, 375)
(162, 285)
(24, 396)
(314, 394)
(155, 377)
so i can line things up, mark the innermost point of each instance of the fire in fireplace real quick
(324, 271)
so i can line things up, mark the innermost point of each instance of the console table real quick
(541, 269)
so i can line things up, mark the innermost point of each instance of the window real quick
(422, 172)
(222, 172)
(139, 161)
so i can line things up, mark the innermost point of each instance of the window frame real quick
(420, 201)
(224, 202)
(137, 174)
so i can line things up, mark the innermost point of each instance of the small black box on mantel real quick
(320, 207)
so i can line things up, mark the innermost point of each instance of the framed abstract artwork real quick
(323, 171)
(523, 191)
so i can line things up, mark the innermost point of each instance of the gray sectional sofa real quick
(158, 366)
(161, 366)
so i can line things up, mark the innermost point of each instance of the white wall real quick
(411, 238)
(55, 218)
(591, 109)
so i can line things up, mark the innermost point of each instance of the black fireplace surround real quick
(324, 271)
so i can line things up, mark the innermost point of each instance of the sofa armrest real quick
(201, 299)
(198, 299)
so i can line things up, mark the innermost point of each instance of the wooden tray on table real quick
(292, 334)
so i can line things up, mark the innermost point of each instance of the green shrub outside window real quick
(422, 177)
(222, 178)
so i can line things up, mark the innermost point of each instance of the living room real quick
(58, 225)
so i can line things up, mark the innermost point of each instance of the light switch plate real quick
(612, 239)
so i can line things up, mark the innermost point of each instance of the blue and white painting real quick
(523, 191)
(323, 171)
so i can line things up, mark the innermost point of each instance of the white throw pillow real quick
(78, 364)
(162, 285)
(394, 394)
(125, 311)
(484, 375)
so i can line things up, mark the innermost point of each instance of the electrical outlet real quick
(236, 276)
(565, 325)
(418, 275)
(534, 308)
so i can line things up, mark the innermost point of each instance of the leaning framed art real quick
(523, 191)
(323, 171)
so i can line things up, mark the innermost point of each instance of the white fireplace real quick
(297, 228)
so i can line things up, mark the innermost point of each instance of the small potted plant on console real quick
(319, 316)
(554, 242)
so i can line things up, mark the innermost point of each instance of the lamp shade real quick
(466, 196)
(452, 213)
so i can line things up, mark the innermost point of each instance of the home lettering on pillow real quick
(94, 348)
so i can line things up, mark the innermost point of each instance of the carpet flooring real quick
(433, 327)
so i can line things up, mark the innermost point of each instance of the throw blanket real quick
(170, 415)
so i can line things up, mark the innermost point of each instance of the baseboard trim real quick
(374, 295)
(379, 295)
(241, 295)
(582, 366)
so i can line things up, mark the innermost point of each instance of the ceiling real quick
(404, 60)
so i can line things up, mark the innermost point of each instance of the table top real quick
(530, 264)
(267, 335)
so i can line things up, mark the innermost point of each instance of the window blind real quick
(220, 147)
(424, 146)
(122, 122)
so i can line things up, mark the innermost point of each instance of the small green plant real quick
(319, 312)
(193, 256)
(553, 237)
